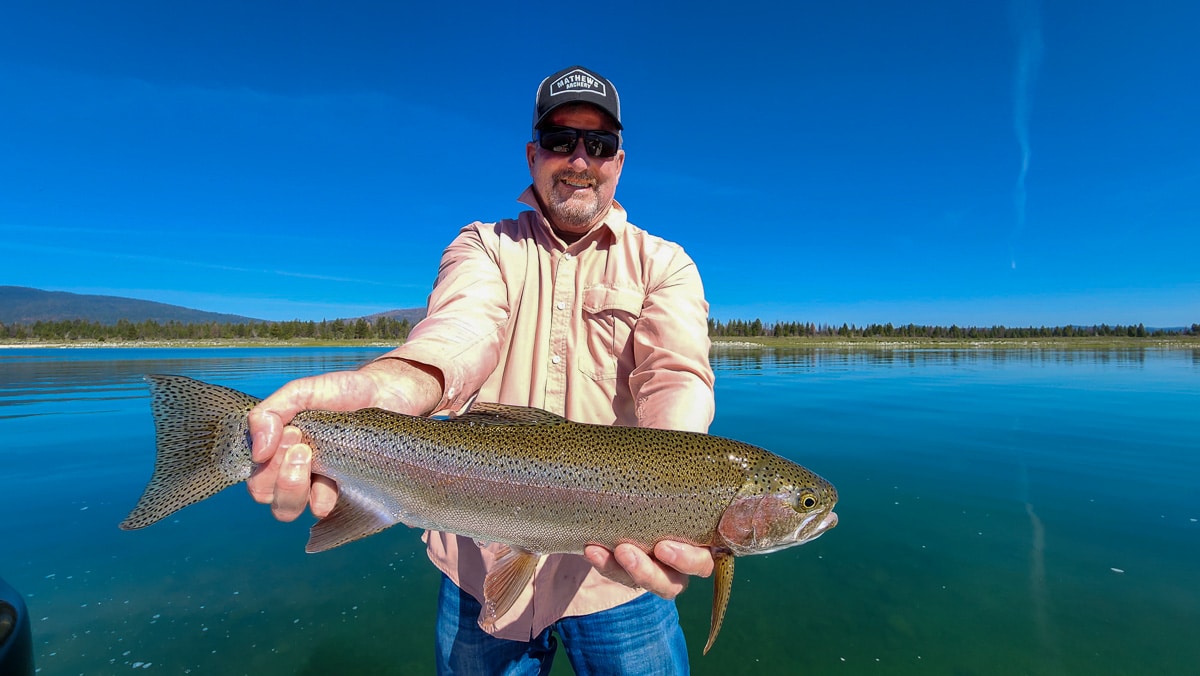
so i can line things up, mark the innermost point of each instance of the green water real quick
(1001, 513)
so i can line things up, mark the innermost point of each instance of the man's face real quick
(575, 189)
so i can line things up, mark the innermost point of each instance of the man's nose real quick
(579, 158)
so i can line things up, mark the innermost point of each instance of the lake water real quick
(1002, 512)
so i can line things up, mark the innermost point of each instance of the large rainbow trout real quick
(522, 477)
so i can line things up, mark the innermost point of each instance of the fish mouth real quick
(809, 529)
(813, 527)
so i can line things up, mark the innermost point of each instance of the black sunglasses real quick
(562, 140)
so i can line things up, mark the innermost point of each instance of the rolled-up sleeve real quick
(462, 332)
(672, 383)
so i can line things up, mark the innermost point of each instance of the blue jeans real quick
(639, 637)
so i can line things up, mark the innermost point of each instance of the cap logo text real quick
(577, 81)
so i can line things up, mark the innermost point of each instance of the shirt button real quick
(562, 305)
(555, 359)
(567, 256)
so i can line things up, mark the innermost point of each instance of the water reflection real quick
(68, 375)
(750, 359)
(32, 376)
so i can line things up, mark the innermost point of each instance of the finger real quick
(685, 558)
(266, 428)
(598, 556)
(650, 574)
(268, 418)
(323, 497)
(602, 560)
(262, 480)
(293, 483)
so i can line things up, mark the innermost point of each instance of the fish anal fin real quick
(514, 568)
(722, 586)
(352, 518)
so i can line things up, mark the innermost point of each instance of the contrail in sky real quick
(1026, 23)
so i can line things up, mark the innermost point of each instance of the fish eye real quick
(808, 501)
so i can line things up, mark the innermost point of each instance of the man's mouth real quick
(577, 182)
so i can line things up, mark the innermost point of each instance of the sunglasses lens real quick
(563, 139)
(558, 140)
(601, 143)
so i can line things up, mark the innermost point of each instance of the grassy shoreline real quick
(719, 343)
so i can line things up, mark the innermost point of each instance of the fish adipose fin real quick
(353, 517)
(203, 442)
(514, 568)
(722, 586)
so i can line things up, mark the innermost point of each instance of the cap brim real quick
(559, 104)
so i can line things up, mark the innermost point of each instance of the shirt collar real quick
(615, 220)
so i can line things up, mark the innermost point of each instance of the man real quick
(568, 308)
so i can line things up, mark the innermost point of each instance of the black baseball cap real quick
(576, 85)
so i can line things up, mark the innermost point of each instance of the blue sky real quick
(940, 162)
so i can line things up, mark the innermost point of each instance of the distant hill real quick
(412, 314)
(23, 305)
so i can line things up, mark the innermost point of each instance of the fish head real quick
(780, 505)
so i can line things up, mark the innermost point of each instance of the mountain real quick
(412, 314)
(23, 305)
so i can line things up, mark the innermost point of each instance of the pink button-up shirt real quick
(611, 329)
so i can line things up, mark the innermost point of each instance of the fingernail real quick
(298, 455)
(258, 441)
(668, 551)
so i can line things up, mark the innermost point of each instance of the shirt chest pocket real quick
(609, 317)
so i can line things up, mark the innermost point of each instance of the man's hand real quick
(666, 573)
(283, 477)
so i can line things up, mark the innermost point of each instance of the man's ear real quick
(530, 154)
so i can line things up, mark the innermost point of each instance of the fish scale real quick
(521, 477)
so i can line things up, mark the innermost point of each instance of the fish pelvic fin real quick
(203, 446)
(722, 586)
(353, 517)
(514, 568)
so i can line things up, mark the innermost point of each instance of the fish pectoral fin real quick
(353, 518)
(722, 586)
(514, 568)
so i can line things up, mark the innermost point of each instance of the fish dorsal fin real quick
(514, 568)
(503, 414)
(352, 518)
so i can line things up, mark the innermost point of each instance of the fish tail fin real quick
(722, 586)
(203, 440)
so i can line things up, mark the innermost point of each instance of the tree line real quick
(393, 330)
(756, 328)
(382, 328)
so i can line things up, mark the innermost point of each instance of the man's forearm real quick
(420, 384)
